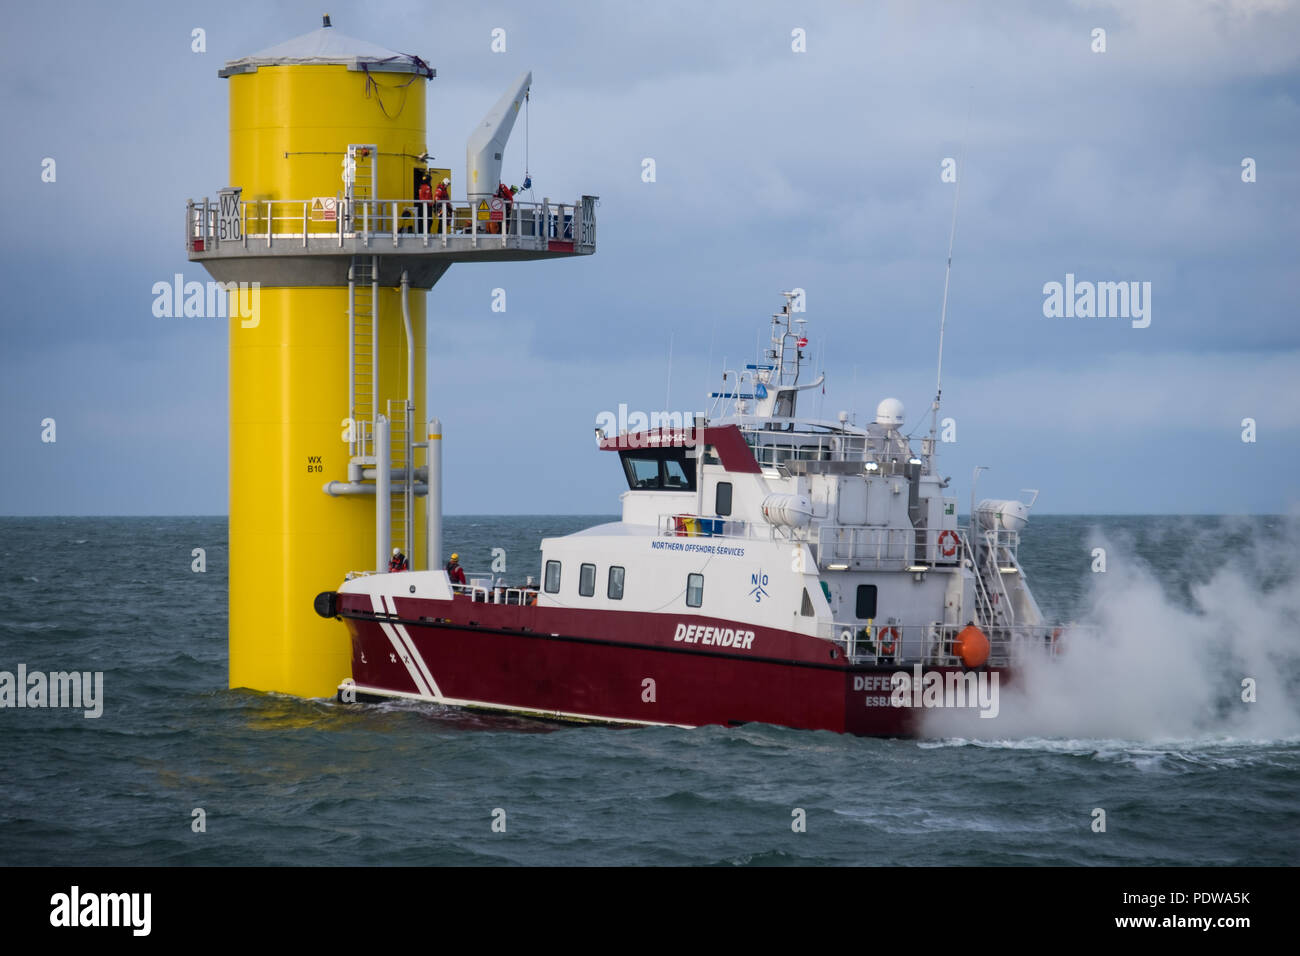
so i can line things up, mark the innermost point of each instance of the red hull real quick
(614, 667)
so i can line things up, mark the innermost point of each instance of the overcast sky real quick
(774, 169)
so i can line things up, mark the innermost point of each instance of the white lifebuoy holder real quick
(956, 543)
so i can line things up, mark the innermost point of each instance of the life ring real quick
(956, 543)
(886, 638)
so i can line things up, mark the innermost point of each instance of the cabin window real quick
(615, 589)
(675, 475)
(722, 503)
(659, 469)
(694, 590)
(866, 601)
(807, 609)
(552, 577)
(587, 580)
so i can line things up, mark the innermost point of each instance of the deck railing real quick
(703, 526)
(314, 224)
(867, 642)
(496, 594)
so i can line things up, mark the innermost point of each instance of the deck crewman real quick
(425, 197)
(454, 571)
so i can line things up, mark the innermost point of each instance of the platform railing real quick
(870, 642)
(496, 594)
(280, 224)
(704, 526)
(865, 547)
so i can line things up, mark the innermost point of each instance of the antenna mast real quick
(943, 317)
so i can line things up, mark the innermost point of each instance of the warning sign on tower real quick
(324, 209)
(482, 210)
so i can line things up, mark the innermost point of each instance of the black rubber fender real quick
(327, 604)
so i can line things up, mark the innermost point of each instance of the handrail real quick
(423, 222)
(983, 604)
(705, 526)
(497, 593)
(865, 546)
(932, 644)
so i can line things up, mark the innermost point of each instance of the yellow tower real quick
(326, 255)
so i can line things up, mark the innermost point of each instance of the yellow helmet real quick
(455, 557)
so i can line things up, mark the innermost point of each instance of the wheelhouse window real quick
(659, 469)
(722, 501)
(694, 590)
(587, 580)
(553, 577)
(866, 601)
(614, 591)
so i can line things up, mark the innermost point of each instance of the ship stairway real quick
(363, 325)
(995, 610)
(401, 510)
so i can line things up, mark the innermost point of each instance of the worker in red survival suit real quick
(442, 203)
(425, 197)
(454, 571)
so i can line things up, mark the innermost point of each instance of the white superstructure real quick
(761, 516)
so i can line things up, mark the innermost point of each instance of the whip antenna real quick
(943, 312)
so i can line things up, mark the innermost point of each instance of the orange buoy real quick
(971, 646)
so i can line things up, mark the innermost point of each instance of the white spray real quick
(1158, 666)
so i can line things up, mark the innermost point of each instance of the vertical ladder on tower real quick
(363, 375)
(400, 454)
(359, 185)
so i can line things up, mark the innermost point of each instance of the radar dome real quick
(889, 412)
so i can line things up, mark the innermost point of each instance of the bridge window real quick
(866, 601)
(553, 577)
(660, 469)
(694, 590)
(615, 588)
(587, 580)
(722, 505)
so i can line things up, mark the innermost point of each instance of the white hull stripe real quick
(529, 711)
(377, 603)
(409, 642)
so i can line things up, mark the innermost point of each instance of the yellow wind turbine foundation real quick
(327, 248)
